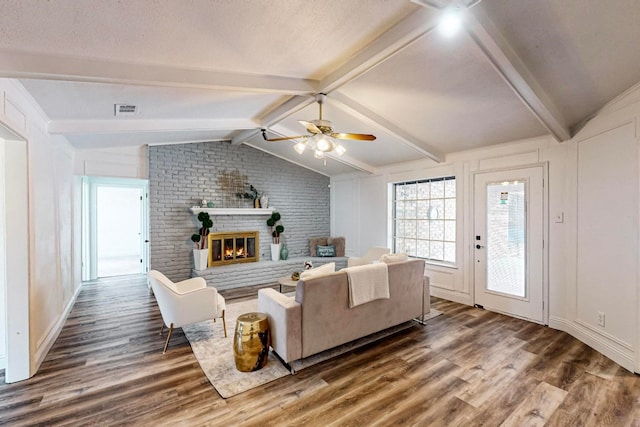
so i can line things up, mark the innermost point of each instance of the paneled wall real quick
(47, 290)
(592, 262)
(181, 175)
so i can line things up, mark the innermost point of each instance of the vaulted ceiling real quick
(221, 70)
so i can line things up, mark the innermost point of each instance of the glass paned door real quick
(508, 242)
(506, 235)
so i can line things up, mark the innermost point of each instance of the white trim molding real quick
(622, 355)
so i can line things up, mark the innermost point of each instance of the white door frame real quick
(15, 281)
(89, 228)
(545, 228)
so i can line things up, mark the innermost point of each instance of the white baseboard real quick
(622, 356)
(54, 332)
(449, 295)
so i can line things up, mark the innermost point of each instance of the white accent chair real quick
(373, 254)
(186, 302)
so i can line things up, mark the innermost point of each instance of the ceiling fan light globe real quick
(318, 154)
(340, 149)
(324, 144)
(300, 147)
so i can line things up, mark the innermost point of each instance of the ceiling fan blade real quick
(285, 138)
(358, 136)
(312, 128)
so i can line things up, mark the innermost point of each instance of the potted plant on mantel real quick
(276, 229)
(251, 194)
(201, 252)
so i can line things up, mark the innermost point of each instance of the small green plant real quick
(251, 193)
(276, 228)
(200, 239)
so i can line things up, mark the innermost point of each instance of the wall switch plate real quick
(559, 218)
(601, 317)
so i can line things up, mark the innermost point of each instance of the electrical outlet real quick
(601, 318)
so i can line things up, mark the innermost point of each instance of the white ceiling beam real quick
(275, 116)
(407, 31)
(400, 36)
(369, 117)
(514, 72)
(287, 108)
(76, 127)
(15, 64)
(244, 136)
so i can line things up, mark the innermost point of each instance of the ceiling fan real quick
(321, 138)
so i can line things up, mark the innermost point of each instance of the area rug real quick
(215, 354)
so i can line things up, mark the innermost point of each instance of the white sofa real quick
(319, 318)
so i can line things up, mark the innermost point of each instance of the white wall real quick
(52, 284)
(123, 162)
(3, 272)
(593, 233)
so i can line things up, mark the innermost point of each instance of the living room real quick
(555, 102)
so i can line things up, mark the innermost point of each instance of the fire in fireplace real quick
(233, 247)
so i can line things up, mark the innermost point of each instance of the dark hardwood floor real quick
(468, 367)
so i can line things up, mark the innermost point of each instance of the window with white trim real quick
(424, 218)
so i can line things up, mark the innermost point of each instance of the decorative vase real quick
(256, 203)
(284, 252)
(200, 258)
(275, 251)
(264, 201)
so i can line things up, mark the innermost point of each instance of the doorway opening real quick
(115, 227)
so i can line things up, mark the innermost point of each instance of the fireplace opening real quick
(233, 247)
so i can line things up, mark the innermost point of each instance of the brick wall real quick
(181, 175)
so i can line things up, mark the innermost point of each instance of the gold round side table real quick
(251, 342)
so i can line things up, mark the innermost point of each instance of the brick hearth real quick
(258, 273)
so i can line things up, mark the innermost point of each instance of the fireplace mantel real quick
(232, 211)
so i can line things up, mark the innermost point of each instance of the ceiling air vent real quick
(124, 110)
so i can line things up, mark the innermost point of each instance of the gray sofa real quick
(319, 318)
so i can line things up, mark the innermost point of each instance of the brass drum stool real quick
(251, 342)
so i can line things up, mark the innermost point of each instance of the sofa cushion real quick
(323, 270)
(328, 250)
(393, 258)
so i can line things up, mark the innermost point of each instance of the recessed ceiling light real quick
(450, 22)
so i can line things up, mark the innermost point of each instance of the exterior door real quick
(508, 242)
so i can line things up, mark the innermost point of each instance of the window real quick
(424, 218)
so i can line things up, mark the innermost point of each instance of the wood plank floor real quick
(468, 367)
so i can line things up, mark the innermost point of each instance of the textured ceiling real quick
(220, 70)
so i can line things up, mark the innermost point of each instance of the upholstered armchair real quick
(186, 302)
(373, 254)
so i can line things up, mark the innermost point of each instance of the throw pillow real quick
(314, 242)
(339, 243)
(393, 258)
(323, 270)
(328, 250)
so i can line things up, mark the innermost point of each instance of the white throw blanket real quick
(367, 283)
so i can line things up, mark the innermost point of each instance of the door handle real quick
(146, 241)
(479, 247)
